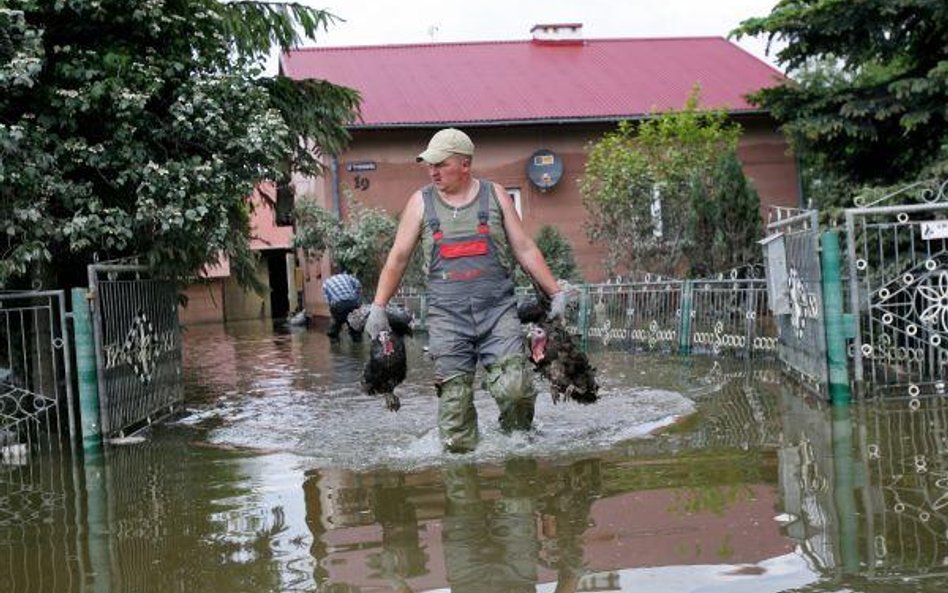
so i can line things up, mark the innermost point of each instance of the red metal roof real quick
(524, 81)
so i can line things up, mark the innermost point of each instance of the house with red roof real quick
(531, 107)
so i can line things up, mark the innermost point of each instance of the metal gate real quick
(138, 346)
(36, 406)
(898, 273)
(37, 478)
(794, 282)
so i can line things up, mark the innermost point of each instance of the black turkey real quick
(386, 367)
(555, 354)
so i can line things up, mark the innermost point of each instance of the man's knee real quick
(511, 380)
(510, 383)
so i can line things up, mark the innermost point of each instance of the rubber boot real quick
(510, 383)
(457, 418)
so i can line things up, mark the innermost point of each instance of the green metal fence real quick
(722, 316)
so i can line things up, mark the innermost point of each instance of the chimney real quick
(558, 34)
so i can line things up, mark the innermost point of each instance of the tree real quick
(558, 253)
(727, 220)
(867, 105)
(140, 128)
(358, 243)
(653, 198)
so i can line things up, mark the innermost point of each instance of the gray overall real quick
(472, 318)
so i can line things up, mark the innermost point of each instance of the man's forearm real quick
(534, 264)
(389, 280)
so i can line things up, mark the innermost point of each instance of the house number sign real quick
(935, 229)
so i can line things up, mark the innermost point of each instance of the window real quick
(514, 193)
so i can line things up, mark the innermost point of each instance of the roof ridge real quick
(405, 45)
(584, 40)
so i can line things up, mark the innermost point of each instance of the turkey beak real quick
(388, 346)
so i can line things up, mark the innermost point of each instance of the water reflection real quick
(285, 478)
(870, 488)
(471, 528)
(525, 524)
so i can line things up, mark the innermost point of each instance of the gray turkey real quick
(386, 367)
(555, 354)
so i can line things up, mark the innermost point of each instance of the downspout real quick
(334, 172)
(799, 158)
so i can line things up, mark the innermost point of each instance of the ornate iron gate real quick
(898, 273)
(138, 346)
(794, 280)
(36, 406)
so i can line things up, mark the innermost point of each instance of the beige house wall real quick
(245, 304)
(205, 303)
(217, 300)
(502, 154)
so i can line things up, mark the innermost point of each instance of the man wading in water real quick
(471, 235)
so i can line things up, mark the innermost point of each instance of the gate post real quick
(844, 488)
(86, 371)
(834, 319)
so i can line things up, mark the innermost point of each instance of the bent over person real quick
(471, 237)
(343, 292)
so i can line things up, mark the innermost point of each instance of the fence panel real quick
(37, 435)
(138, 346)
(636, 316)
(718, 317)
(731, 317)
(898, 270)
(36, 406)
(796, 296)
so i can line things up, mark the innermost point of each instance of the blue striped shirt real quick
(342, 287)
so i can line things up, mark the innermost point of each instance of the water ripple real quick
(314, 408)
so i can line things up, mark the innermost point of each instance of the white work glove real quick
(557, 306)
(377, 321)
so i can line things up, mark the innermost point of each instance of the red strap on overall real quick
(463, 248)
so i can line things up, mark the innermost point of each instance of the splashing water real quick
(319, 412)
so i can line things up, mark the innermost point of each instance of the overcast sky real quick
(377, 22)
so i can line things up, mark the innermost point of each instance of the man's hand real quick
(377, 321)
(557, 306)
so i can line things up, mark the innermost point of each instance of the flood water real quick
(687, 476)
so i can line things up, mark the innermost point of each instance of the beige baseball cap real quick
(445, 143)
